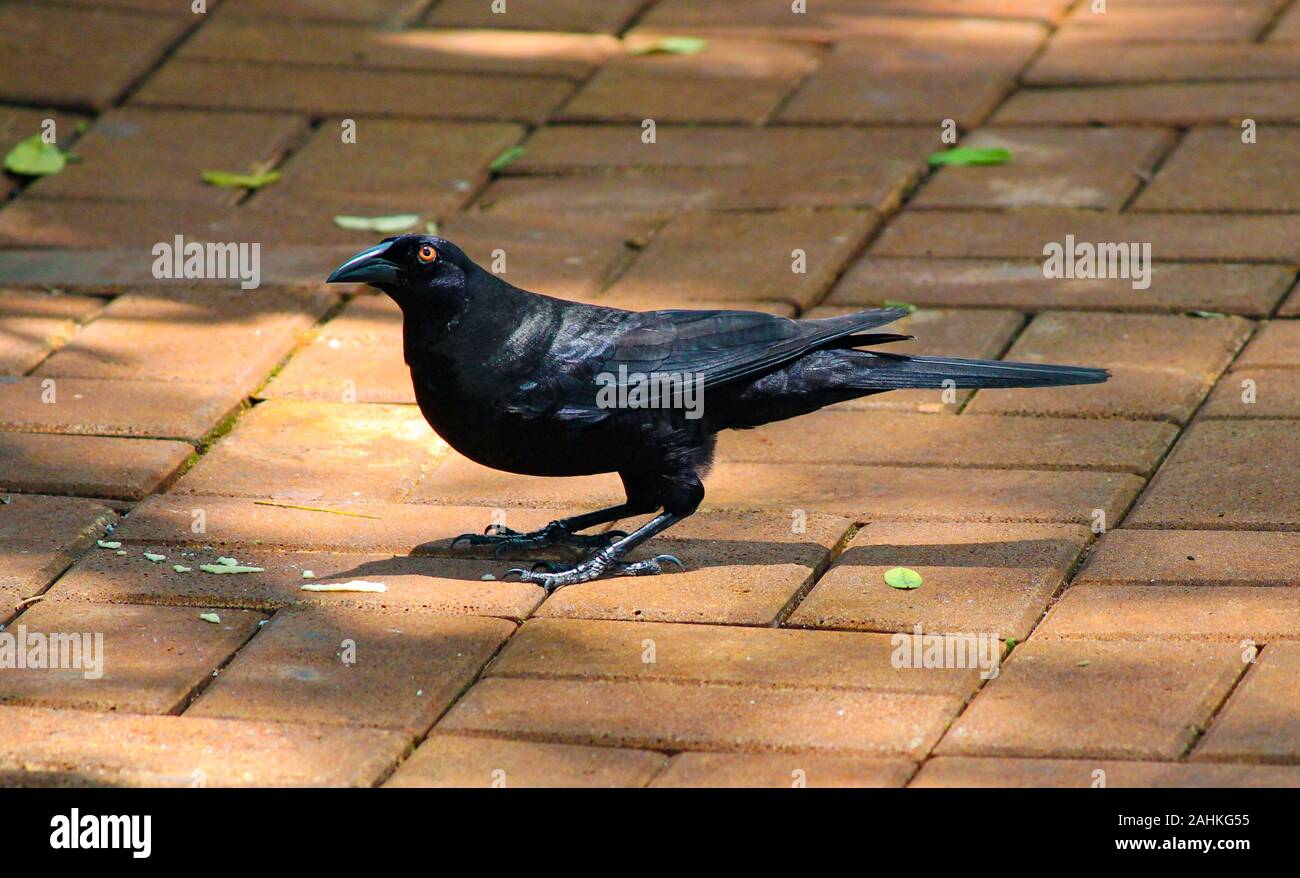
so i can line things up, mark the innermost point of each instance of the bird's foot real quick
(503, 539)
(605, 562)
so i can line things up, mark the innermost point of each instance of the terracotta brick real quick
(1287, 27)
(354, 357)
(1076, 63)
(880, 185)
(1291, 307)
(1274, 346)
(31, 518)
(92, 466)
(307, 451)
(232, 338)
(384, 12)
(135, 659)
(910, 439)
(550, 15)
(567, 255)
(831, 20)
(1179, 103)
(416, 586)
(560, 148)
(19, 123)
(739, 81)
(134, 227)
(922, 493)
(32, 324)
(923, 75)
(1050, 167)
(956, 771)
(977, 578)
(1178, 612)
(147, 155)
(1193, 557)
(111, 269)
(324, 91)
(236, 522)
(1021, 234)
(747, 256)
(980, 333)
(748, 770)
(376, 175)
(1213, 170)
(39, 538)
(1093, 699)
(458, 481)
(741, 569)
(1260, 722)
(1241, 20)
(296, 41)
(44, 57)
(90, 406)
(454, 761)
(963, 283)
(671, 716)
(764, 657)
(1161, 366)
(42, 747)
(334, 666)
(1217, 478)
(1263, 393)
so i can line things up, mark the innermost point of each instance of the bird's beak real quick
(367, 267)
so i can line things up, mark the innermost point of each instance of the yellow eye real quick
(426, 253)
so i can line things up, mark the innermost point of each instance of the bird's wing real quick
(715, 347)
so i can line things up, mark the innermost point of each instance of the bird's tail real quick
(894, 371)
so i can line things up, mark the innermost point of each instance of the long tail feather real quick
(892, 372)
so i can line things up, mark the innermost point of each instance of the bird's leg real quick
(562, 532)
(606, 560)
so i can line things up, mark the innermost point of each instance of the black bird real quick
(536, 385)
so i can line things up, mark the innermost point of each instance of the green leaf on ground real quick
(398, 222)
(34, 157)
(506, 159)
(108, 544)
(180, 568)
(154, 557)
(210, 617)
(229, 568)
(354, 585)
(232, 180)
(672, 46)
(902, 577)
(971, 155)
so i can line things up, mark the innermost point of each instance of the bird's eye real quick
(426, 253)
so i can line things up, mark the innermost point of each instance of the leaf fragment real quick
(233, 180)
(971, 155)
(398, 222)
(507, 158)
(902, 577)
(34, 157)
(354, 585)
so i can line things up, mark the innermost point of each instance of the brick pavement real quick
(1127, 552)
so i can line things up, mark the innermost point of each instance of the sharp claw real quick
(670, 559)
(521, 572)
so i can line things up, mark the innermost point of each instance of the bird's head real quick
(408, 267)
